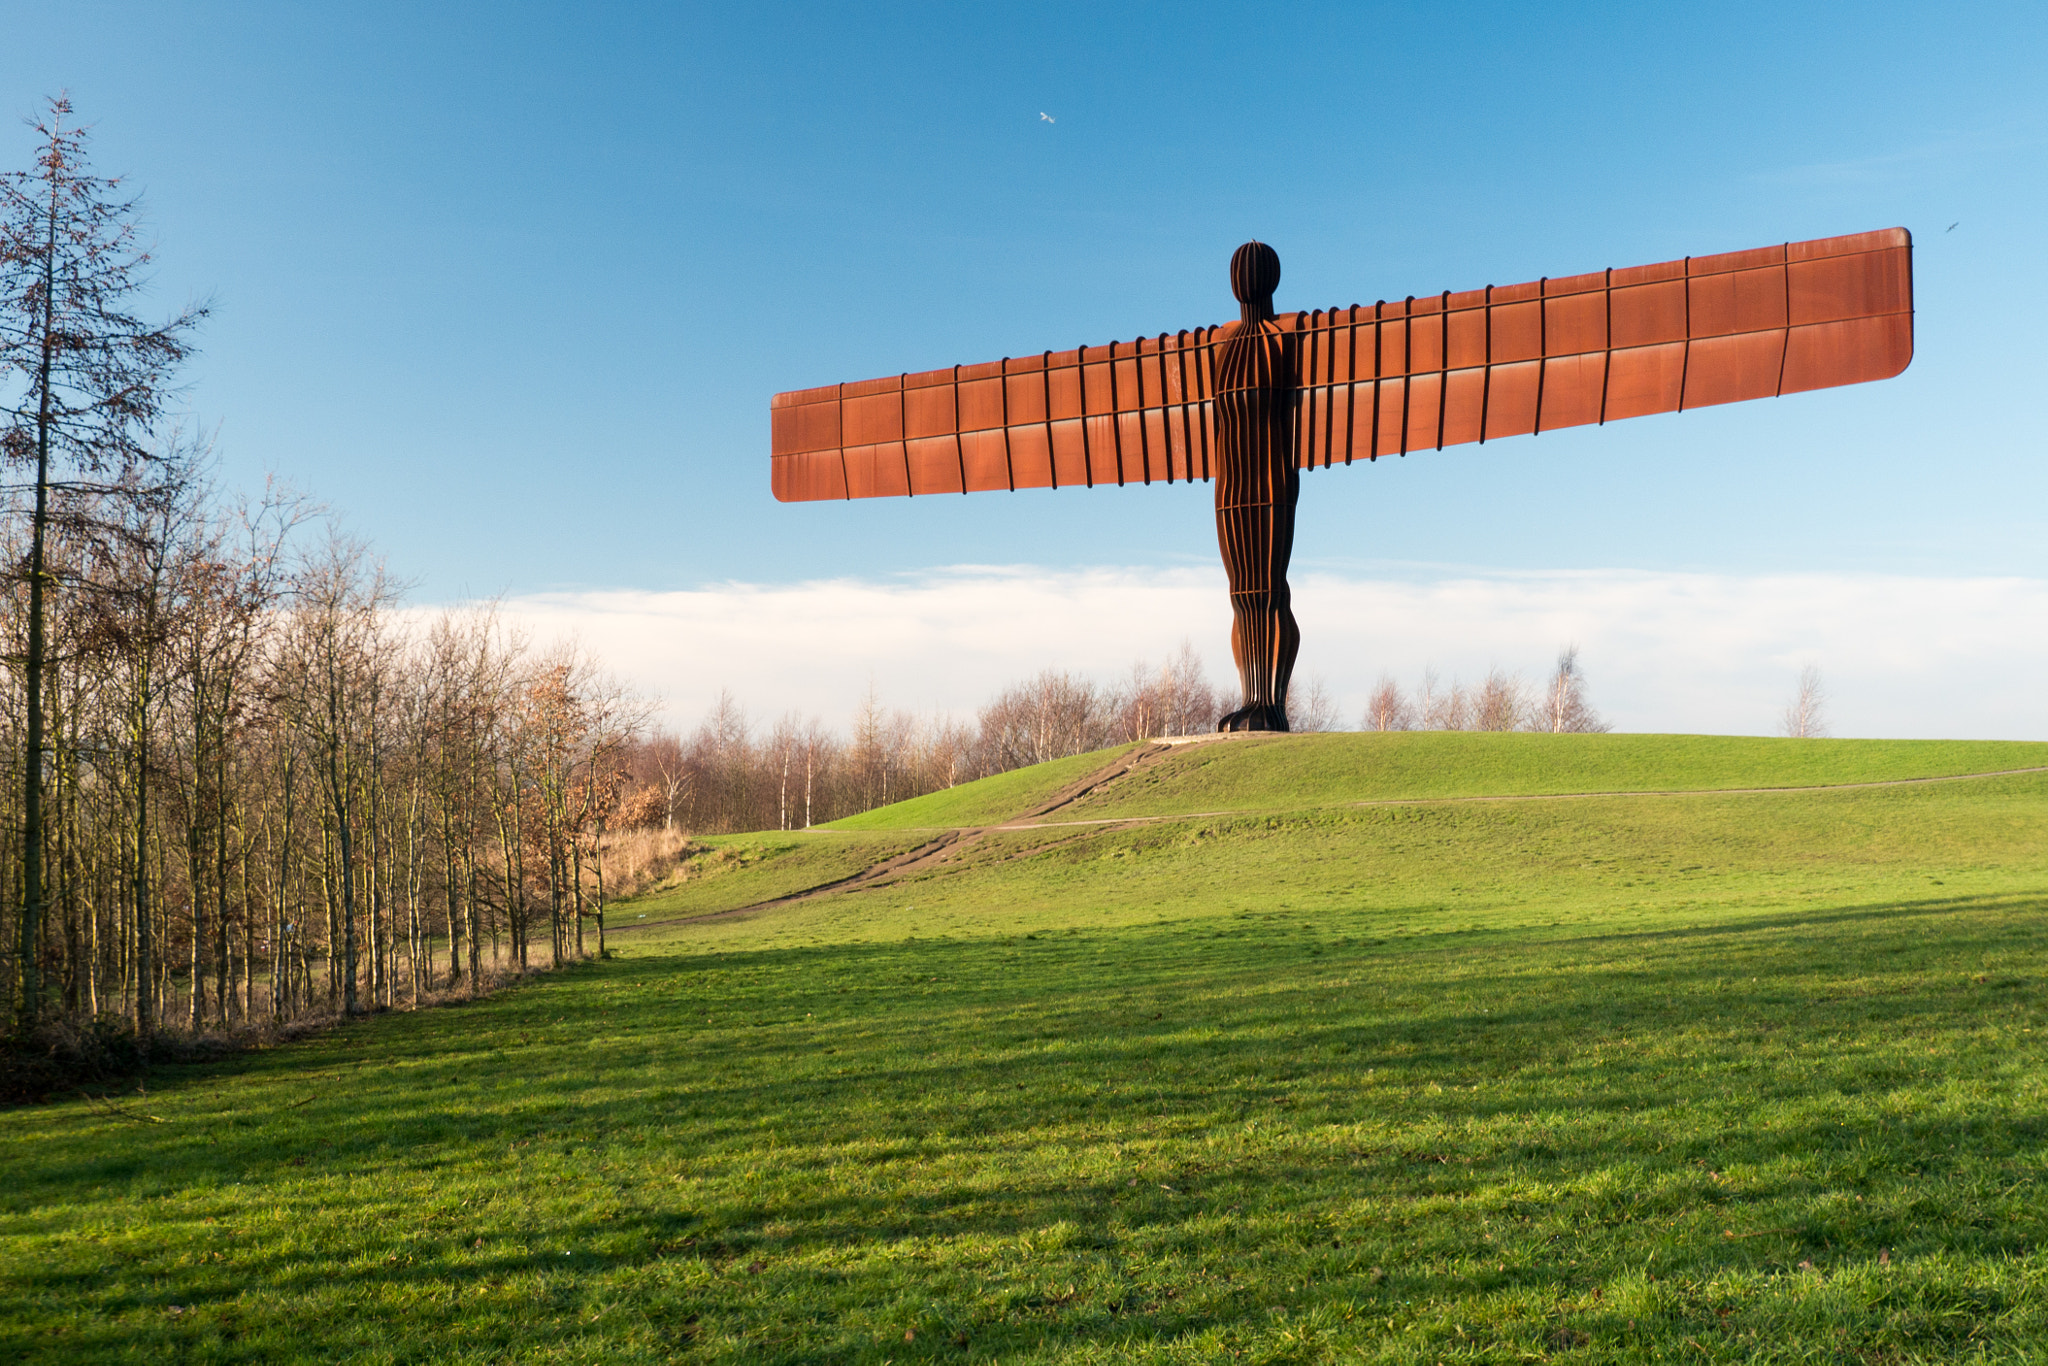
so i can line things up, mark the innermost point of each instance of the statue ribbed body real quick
(1256, 488)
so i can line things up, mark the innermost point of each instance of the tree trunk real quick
(145, 998)
(338, 782)
(28, 985)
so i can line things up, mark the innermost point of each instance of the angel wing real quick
(1384, 379)
(1128, 412)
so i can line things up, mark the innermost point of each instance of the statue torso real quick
(1255, 414)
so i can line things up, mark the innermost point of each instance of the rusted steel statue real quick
(1256, 488)
(1253, 403)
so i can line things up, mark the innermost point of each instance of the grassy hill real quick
(1708, 1075)
(985, 802)
(1290, 772)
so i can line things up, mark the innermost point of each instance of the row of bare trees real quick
(1500, 701)
(728, 774)
(267, 792)
(239, 785)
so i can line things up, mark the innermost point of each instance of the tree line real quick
(266, 793)
(235, 784)
(730, 775)
(1500, 701)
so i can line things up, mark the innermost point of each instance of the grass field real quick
(983, 803)
(1704, 1076)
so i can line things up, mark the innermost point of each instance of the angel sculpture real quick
(1252, 404)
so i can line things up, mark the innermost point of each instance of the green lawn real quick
(1697, 1077)
(739, 870)
(1262, 772)
(984, 802)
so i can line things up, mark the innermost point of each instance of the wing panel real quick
(800, 427)
(1069, 454)
(930, 411)
(1733, 368)
(1511, 399)
(981, 405)
(1847, 352)
(1424, 411)
(1736, 301)
(1425, 340)
(1031, 457)
(874, 418)
(1464, 414)
(935, 465)
(985, 460)
(1516, 332)
(1575, 324)
(1466, 344)
(1102, 444)
(1571, 391)
(1024, 395)
(1645, 379)
(1647, 314)
(876, 471)
(809, 476)
(1390, 399)
(1848, 287)
(1063, 392)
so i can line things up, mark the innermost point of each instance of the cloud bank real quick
(1901, 656)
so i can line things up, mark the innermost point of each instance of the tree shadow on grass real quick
(1472, 1122)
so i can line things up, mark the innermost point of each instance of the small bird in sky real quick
(1953, 226)
(1047, 117)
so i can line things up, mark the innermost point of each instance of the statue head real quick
(1254, 275)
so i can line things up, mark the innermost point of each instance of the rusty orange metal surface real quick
(1372, 380)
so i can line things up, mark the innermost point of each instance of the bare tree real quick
(1499, 704)
(1188, 704)
(1387, 709)
(1175, 699)
(818, 748)
(616, 718)
(1805, 715)
(1441, 708)
(785, 743)
(1312, 710)
(1138, 710)
(555, 715)
(723, 749)
(870, 760)
(1564, 709)
(328, 680)
(1051, 716)
(660, 761)
(140, 614)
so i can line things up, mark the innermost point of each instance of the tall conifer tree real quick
(83, 384)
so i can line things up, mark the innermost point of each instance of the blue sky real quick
(510, 285)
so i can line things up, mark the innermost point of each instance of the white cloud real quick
(1902, 656)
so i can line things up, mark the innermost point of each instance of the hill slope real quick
(1294, 772)
(1719, 1075)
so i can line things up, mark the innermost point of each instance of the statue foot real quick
(1258, 716)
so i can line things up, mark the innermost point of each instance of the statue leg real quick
(1257, 540)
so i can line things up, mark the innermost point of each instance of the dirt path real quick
(950, 842)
